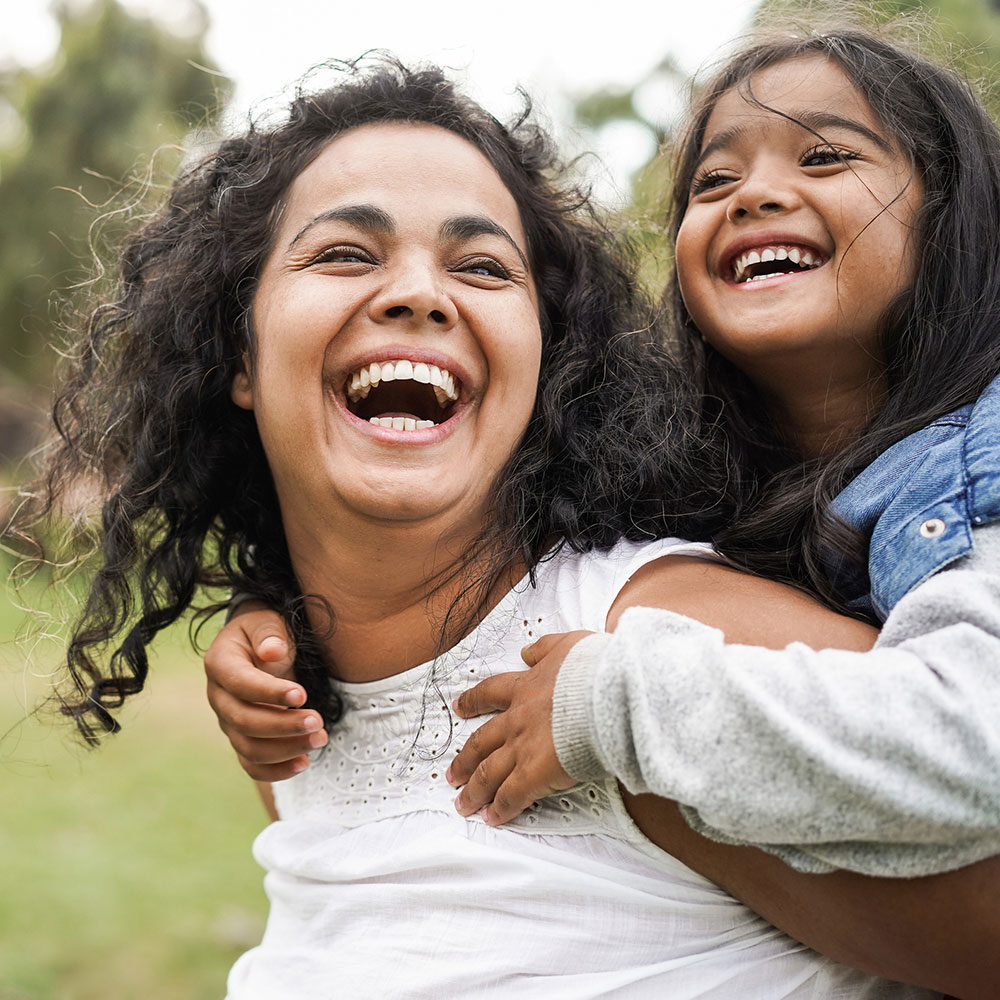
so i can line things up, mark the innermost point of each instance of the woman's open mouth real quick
(402, 395)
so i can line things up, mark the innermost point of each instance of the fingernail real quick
(486, 815)
(312, 724)
(317, 740)
(272, 644)
(300, 765)
(447, 776)
(294, 697)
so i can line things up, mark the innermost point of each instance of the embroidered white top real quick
(379, 888)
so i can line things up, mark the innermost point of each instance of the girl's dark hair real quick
(939, 336)
(146, 422)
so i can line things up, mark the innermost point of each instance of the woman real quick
(387, 283)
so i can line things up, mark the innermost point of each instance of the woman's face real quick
(397, 333)
(799, 225)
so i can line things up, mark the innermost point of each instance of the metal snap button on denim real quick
(932, 528)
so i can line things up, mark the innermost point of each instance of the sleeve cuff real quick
(572, 728)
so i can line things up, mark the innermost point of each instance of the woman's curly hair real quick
(187, 498)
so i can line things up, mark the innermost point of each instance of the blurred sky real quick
(555, 50)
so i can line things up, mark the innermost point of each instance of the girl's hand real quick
(511, 761)
(249, 670)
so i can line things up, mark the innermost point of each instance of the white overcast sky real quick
(554, 50)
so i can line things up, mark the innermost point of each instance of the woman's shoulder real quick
(580, 587)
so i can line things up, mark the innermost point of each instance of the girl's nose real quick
(762, 195)
(414, 297)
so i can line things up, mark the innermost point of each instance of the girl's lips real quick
(775, 260)
(768, 254)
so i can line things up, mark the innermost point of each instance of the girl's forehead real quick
(799, 90)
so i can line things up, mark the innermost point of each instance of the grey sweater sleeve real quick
(885, 762)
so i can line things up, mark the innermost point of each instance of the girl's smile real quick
(798, 229)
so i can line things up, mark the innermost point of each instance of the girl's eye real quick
(343, 255)
(824, 156)
(709, 180)
(485, 267)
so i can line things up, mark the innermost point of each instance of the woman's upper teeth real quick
(801, 257)
(362, 379)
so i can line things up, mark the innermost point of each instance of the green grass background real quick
(125, 872)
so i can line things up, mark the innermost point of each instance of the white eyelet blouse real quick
(378, 888)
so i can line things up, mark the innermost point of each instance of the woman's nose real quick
(414, 296)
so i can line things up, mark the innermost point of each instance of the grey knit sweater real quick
(885, 762)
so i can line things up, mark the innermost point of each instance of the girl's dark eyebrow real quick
(465, 227)
(366, 217)
(813, 122)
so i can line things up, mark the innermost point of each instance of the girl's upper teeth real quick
(443, 382)
(799, 256)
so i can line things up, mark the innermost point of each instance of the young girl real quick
(838, 280)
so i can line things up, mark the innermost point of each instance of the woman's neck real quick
(391, 589)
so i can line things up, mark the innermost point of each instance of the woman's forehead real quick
(409, 170)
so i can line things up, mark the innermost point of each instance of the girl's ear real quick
(241, 389)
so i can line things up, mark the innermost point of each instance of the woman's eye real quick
(824, 156)
(343, 255)
(485, 267)
(709, 181)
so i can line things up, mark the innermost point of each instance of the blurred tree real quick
(76, 138)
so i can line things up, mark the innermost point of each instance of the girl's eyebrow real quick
(812, 121)
(366, 217)
(465, 227)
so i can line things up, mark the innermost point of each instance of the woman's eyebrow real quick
(365, 217)
(465, 227)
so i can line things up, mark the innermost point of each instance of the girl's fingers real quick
(490, 695)
(271, 645)
(540, 648)
(510, 800)
(230, 664)
(259, 752)
(548, 644)
(260, 721)
(487, 778)
(484, 741)
(274, 772)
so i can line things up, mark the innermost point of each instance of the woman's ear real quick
(241, 389)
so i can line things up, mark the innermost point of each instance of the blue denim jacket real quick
(919, 502)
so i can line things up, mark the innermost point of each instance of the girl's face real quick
(397, 334)
(792, 245)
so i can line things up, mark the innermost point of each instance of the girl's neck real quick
(391, 589)
(821, 410)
